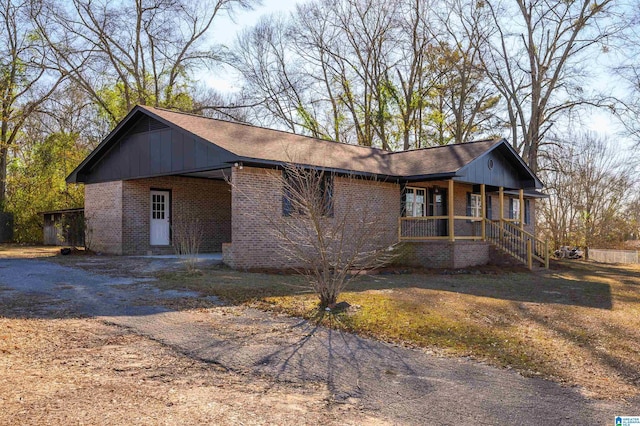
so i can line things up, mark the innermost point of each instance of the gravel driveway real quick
(393, 383)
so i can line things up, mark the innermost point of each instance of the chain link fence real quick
(614, 256)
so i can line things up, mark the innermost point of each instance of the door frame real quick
(440, 208)
(169, 212)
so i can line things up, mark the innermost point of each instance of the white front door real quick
(160, 218)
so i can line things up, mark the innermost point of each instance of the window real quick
(415, 202)
(302, 183)
(514, 211)
(475, 205)
(157, 206)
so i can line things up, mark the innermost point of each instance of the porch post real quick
(522, 209)
(483, 213)
(501, 194)
(451, 205)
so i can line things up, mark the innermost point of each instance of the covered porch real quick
(454, 211)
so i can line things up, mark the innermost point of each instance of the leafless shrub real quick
(187, 237)
(331, 239)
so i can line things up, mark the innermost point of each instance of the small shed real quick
(64, 227)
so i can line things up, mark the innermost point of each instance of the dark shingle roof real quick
(261, 144)
(439, 159)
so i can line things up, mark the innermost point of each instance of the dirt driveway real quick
(85, 347)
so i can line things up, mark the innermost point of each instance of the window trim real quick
(424, 203)
(477, 207)
(514, 212)
(515, 215)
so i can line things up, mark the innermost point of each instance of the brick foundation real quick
(444, 254)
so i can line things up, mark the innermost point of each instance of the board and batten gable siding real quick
(155, 151)
(493, 169)
(257, 203)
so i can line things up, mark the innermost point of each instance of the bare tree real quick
(626, 75)
(129, 53)
(324, 69)
(466, 100)
(414, 82)
(273, 83)
(330, 241)
(590, 188)
(536, 58)
(367, 72)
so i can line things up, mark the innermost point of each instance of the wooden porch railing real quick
(423, 228)
(518, 243)
(504, 234)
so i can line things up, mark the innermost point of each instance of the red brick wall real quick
(464, 227)
(256, 196)
(470, 253)
(206, 202)
(103, 216)
(460, 190)
(118, 213)
(531, 227)
(257, 207)
(495, 205)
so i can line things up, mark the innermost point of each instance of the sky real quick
(227, 29)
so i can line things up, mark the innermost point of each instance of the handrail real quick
(505, 240)
(528, 247)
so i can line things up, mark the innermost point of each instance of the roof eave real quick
(259, 162)
(529, 194)
(428, 177)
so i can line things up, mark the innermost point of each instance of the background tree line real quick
(398, 74)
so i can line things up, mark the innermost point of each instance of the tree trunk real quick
(3, 176)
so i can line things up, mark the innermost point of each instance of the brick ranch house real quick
(448, 204)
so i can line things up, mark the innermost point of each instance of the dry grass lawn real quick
(578, 324)
(14, 251)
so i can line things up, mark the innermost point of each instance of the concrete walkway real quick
(397, 384)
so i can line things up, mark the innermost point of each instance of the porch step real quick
(499, 257)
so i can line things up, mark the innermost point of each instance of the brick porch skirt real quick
(444, 254)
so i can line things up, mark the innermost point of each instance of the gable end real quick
(143, 146)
